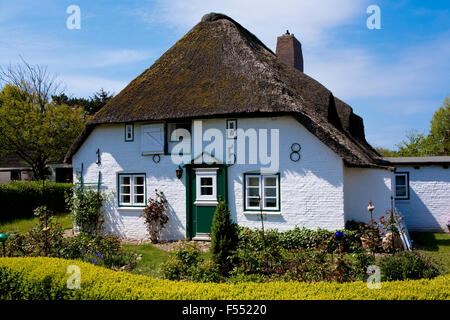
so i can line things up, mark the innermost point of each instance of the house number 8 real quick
(295, 154)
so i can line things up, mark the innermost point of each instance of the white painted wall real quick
(362, 185)
(312, 190)
(119, 156)
(428, 208)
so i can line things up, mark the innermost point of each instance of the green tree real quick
(436, 142)
(90, 106)
(36, 130)
(386, 152)
(415, 145)
(223, 237)
(439, 137)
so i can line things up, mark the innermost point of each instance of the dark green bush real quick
(18, 199)
(223, 237)
(408, 265)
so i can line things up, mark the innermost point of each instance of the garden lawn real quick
(435, 245)
(25, 225)
(151, 259)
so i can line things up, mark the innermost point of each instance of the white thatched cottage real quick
(220, 116)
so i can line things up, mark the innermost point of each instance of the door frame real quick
(190, 172)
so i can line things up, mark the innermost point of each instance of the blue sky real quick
(395, 77)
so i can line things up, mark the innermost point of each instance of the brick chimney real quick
(289, 50)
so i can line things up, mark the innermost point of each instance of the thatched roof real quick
(220, 69)
(419, 161)
(12, 161)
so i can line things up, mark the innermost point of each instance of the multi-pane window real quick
(206, 186)
(132, 189)
(401, 185)
(129, 132)
(262, 192)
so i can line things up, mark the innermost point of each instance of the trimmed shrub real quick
(223, 237)
(299, 238)
(47, 278)
(18, 199)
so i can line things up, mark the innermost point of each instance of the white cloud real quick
(310, 20)
(353, 73)
(84, 85)
(116, 57)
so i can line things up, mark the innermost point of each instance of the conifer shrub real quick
(224, 237)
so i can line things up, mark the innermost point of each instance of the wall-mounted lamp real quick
(179, 172)
(99, 160)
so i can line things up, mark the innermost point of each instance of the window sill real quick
(206, 203)
(266, 213)
(131, 208)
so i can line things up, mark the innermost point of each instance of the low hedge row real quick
(298, 238)
(46, 278)
(18, 199)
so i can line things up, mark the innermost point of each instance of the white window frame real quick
(406, 185)
(206, 200)
(261, 188)
(231, 132)
(129, 139)
(132, 193)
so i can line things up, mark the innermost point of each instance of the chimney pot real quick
(289, 50)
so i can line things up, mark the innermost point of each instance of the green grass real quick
(435, 245)
(152, 258)
(24, 225)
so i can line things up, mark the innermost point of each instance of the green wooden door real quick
(207, 185)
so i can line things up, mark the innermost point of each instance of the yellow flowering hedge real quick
(46, 278)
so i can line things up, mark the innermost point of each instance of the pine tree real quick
(223, 237)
